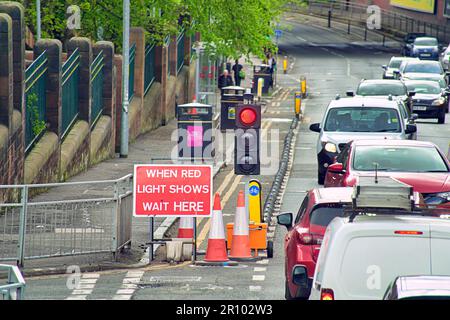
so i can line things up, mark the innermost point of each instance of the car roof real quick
(423, 62)
(333, 195)
(432, 38)
(381, 81)
(430, 82)
(393, 142)
(363, 101)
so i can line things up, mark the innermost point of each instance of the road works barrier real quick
(73, 218)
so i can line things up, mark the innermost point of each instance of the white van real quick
(359, 259)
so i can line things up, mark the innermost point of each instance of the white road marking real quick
(254, 288)
(85, 287)
(129, 285)
(259, 277)
(264, 261)
(259, 269)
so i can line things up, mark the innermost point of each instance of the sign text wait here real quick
(172, 190)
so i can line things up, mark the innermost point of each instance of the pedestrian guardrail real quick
(35, 100)
(97, 87)
(180, 50)
(15, 287)
(353, 13)
(149, 75)
(70, 81)
(73, 218)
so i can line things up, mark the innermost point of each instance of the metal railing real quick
(15, 287)
(131, 78)
(180, 51)
(391, 21)
(70, 81)
(35, 100)
(149, 76)
(169, 48)
(73, 218)
(97, 87)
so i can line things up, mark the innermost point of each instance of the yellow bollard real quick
(298, 104)
(303, 86)
(285, 64)
(255, 201)
(260, 87)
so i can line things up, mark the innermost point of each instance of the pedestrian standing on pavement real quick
(238, 73)
(225, 80)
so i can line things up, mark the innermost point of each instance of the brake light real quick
(408, 232)
(327, 294)
(307, 238)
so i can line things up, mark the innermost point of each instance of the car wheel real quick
(441, 118)
(320, 179)
(287, 293)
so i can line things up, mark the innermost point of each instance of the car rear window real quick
(362, 119)
(322, 215)
(425, 88)
(418, 67)
(381, 89)
(425, 42)
(398, 159)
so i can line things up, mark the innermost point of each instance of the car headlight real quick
(330, 147)
(438, 102)
(445, 195)
(437, 198)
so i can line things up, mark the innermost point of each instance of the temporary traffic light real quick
(247, 140)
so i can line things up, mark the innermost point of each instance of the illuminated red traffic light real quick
(248, 116)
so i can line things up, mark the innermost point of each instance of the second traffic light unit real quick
(247, 140)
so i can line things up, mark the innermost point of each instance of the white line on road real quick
(254, 288)
(264, 261)
(259, 269)
(85, 287)
(259, 277)
(129, 285)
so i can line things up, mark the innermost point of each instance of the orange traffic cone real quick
(186, 229)
(216, 250)
(240, 245)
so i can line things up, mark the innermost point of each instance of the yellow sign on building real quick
(416, 5)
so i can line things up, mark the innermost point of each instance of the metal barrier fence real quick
(70, 80)
(149, 75)
(35, 100)
(15, 287)
(169, 48)
(97, 87)
(72, 218)
(180, 50)
(390, 21)
(131, 79)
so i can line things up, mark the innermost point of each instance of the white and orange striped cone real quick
(216, 250)
(186, 228)
(240, 244)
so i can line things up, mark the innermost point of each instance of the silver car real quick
(350, 119)
(394, 65)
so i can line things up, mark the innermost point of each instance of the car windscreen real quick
(395, 63)
(424, 88)
(425, 42)
(417, 67)
(324, 213)
(398, 159)
(362, 119)
(381, 89)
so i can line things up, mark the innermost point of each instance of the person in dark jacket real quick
(237, 68)
(225, 80)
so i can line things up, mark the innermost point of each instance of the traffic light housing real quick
(247, 140)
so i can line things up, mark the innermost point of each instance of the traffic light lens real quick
(248, 116)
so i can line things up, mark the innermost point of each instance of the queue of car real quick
(379, 227)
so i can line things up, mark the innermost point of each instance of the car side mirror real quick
(414, 116)
(300, 276)
(384, 66)
(336, 168)
(315, 127)
(410, 128)
(447, 73)
(396, 72)
(411, 93)
(285, 219)
(350, 93)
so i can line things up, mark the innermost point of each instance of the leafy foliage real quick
(231, 27)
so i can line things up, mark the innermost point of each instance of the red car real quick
(419, 164)
(305, 234)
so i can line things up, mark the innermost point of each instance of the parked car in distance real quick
(419, 288)
(430, 101)
(409, 39)
(304, 237)
(445, 57)
(347, 119)
(394, 65)
(358, 258)
(411, 69)
(425, 48)
(417, 163)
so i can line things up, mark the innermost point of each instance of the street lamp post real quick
(125, 82)
(38, 19)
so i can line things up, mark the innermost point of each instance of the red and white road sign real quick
(172, 190)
